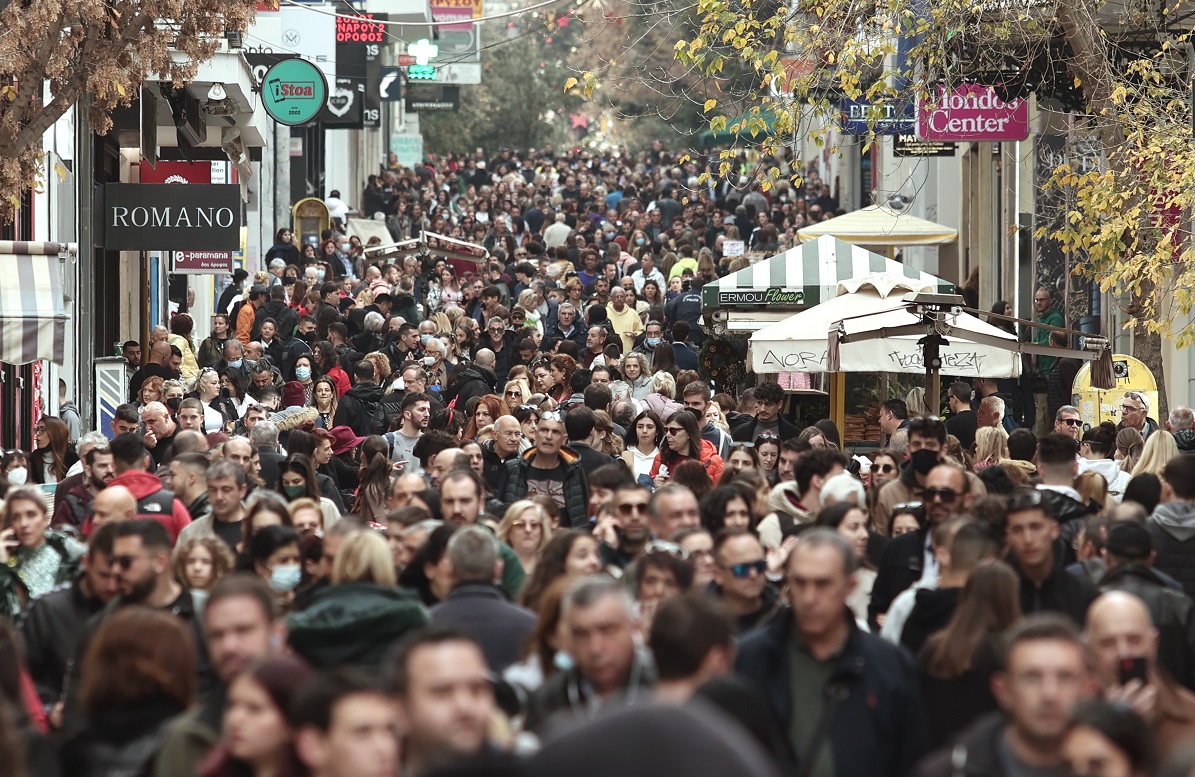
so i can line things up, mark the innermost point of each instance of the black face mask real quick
(923, 461)
(288, 281)
(173, 403)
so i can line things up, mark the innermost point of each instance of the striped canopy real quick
(32, 307)
(806, 275)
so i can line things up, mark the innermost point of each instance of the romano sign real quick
(771, 296)
(164, 217)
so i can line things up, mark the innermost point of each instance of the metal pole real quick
(84, 264)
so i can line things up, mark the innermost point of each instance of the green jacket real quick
(353, 624)
(14, 595)
(190, 737)
(1052, 317)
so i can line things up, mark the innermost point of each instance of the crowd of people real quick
(504, 526)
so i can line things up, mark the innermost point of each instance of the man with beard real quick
(98, 470)
(141, 561)
(416, 412)
(630, 531)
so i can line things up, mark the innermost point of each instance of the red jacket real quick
(709, 457)
(340, 378)
(153, 501)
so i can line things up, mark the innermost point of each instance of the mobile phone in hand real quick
(1132, 669)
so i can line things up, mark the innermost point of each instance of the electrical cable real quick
(433, 23)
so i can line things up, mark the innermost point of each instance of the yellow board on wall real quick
(1099, 405)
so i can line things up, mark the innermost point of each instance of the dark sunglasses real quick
(673, 429)
(743, 571)
(1072, 421)
(946, 495)
(885, 469)
(767, 436)
(632, 507)
(123, 562)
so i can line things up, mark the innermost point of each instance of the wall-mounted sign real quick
(202, 262)
(166, 217)
(427, 98)
(972, 112)
(909, 145)
(775, 295)
(293, 92)
(860, 117)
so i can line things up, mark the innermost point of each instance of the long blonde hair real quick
(1159, 449)
(991, 445)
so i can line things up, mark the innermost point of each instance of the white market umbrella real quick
(880, 225)
(874, 303)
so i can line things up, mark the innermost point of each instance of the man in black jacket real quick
(474, 380)
(552, 468)
(360, 407)
(1045, 669)
(1031, 534)
(1129, 552)
(477, 606)
(285, 317)
(846, 700)
(768, 398)
(580, 422)
(54, 622)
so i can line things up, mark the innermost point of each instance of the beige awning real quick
(879, 225)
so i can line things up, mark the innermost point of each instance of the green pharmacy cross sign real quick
(293, 92)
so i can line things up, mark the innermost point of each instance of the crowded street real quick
(413, 508)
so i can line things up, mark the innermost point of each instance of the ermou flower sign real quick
(971, 112)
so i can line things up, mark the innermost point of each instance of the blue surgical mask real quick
(653, 341)
(302, 373)
(285, 578)
(236, 364)
(424, 340)
(640, 241)
(319, 275)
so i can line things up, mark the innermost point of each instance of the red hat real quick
(344, 439)
(292, 394)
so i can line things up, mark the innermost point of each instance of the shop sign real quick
(771, 296)
(972, 112)
(166, 217)
(202, 262)
(293, 92)
(859, 117)
(909, 145)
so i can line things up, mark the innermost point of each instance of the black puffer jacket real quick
(1185, 440)
(576, 487)
(1173, 615)
(1172, 527)
(1061, 592)
(51, 631)
(361, 409)
(473, 380)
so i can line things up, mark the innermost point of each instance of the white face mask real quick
(17, 476)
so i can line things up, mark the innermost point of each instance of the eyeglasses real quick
(885, 469)
(1130, 409)
(515, 394)
(39, 429)
(1072, 421)
(946, 495)
(553, 415)
(742, 445)
(123, 562)
(630, 508)
(768, 436)
(672, 430)
(1025, 499)
(744, 570)
(662, 547)
(527, 526)
(912, 508)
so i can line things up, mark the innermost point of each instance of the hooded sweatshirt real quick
(1110, 469)
(1172, 527)
(153, 501)
(1185, 439)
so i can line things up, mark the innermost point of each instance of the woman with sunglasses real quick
(884, 468)
(33, 558)
(682, 442)
(643, 440)
(527, 529)
(54, 454)
(516, 392)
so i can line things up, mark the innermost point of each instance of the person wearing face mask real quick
(274, 553)
(438, 374)
(15, 467)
